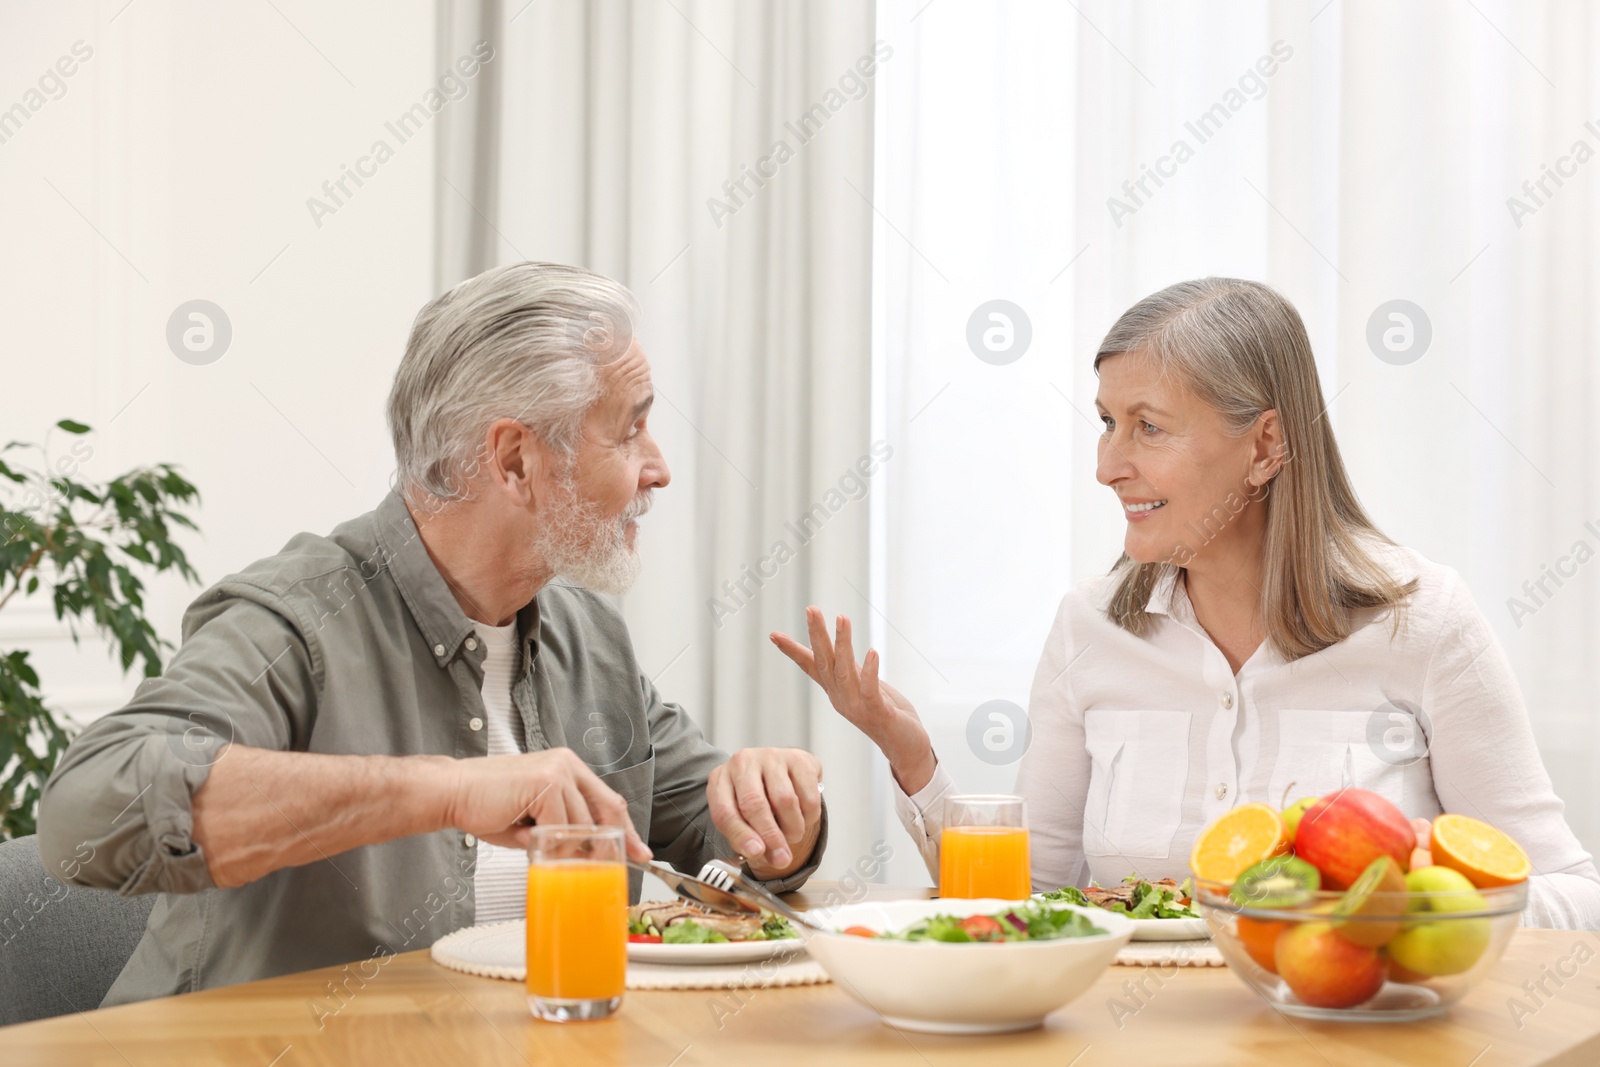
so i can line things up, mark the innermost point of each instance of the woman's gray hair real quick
(521, 341)
(1242, 348)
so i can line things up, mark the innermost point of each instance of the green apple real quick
(1448, 946)
(1461, 895)
(1291, 814)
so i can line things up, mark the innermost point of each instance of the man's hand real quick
(498, 798)
(768, 804)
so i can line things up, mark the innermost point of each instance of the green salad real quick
(689, 932)
(1029, 922)
(1135, 897)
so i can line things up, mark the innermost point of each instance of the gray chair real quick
(61, 946)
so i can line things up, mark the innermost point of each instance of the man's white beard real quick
(574, 540)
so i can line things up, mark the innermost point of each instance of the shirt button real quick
(475, 722)
(1222, 790)
(1227, 700)
(472, 644)
(438, 650)
(468, 840)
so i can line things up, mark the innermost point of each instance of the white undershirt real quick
(500, 881)
(1139, 742)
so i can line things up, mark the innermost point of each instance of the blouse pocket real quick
(1138, 768)
(1321, 752)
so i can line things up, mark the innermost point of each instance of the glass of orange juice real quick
(983, 850)
(577, 922)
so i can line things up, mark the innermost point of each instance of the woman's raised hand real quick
(875, 707)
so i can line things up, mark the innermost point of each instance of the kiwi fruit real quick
(1276, 882)
(1373, 905)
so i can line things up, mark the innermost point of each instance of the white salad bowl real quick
(942, 988)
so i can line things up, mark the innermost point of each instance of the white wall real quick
(190, 140)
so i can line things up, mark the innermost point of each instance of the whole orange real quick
(1260, 939)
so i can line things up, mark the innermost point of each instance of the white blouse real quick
(1139, 742)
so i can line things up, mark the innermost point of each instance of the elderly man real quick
(343, 759)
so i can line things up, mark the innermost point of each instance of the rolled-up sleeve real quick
(117, 812)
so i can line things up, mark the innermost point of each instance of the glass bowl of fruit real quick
(1349, 917)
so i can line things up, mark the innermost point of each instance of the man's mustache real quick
(638, 506)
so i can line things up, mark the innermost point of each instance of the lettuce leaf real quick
(1071, 894)
(690, 932)
(774, 928)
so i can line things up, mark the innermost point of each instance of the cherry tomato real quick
(982, 928)
(860, 931)
(644, 939)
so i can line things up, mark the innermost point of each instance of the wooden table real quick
(416, 1012)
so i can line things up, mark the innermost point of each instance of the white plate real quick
(1170, 930)
(726, 952)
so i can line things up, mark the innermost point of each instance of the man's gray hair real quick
(521, 341)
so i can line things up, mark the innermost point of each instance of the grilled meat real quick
(662, 914)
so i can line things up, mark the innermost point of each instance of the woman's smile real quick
(1141, 510)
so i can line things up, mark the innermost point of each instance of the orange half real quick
(1236, 840)
(1488, 857)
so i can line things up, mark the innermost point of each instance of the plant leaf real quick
(61, 538)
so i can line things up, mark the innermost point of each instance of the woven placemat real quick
(1198, 953)
(763, 974)
(497, 950)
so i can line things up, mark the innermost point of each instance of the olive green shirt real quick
(353, 644)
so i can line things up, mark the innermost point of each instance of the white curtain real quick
(1350, 154)
(467, 153)
(619, 125)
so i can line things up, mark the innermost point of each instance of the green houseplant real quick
(84, 541)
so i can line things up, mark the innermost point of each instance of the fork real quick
(730, 879)
(720, 873)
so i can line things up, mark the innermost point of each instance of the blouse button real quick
(1222, 790)
(476, 723)
(438, 650)
(1227, 700)
(472, 644)
(468, 840)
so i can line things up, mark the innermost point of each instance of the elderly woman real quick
(1258, 639)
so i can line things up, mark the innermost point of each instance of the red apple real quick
(1326, 971)
(1343, 832)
